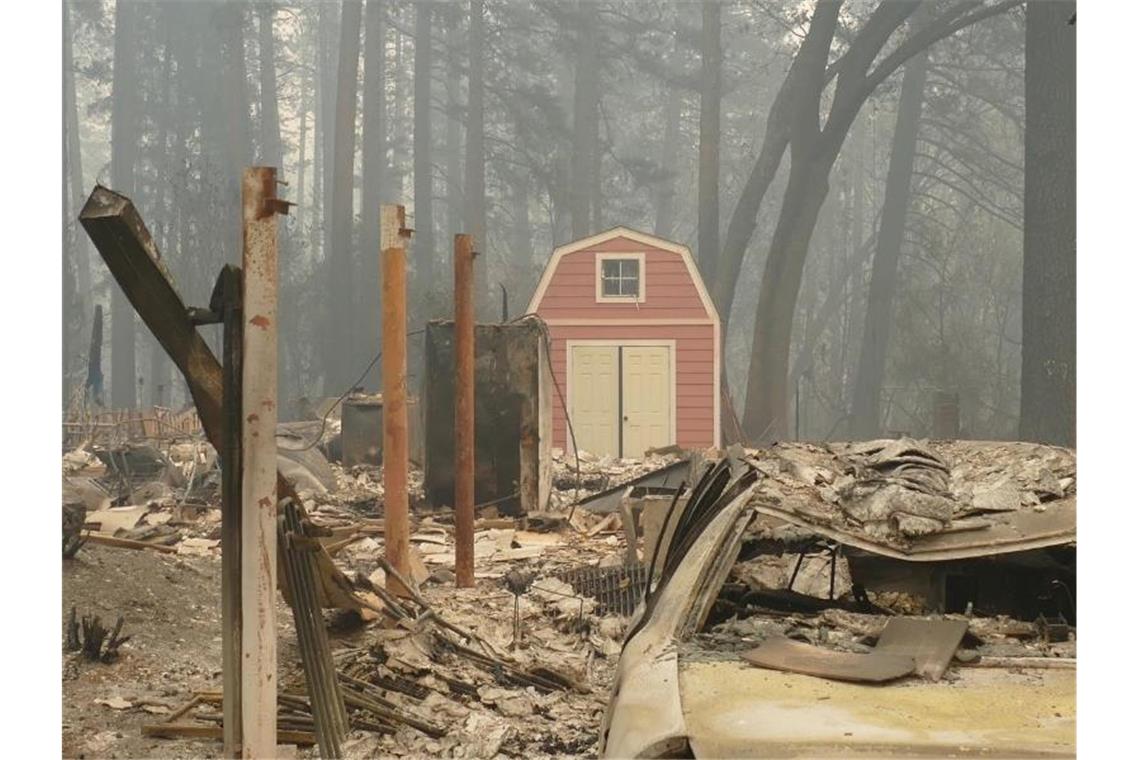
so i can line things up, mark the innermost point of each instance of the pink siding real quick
(693, 365)
(670, 292)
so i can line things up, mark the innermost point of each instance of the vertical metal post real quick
(231, 510)
(259, 463)
(394, 370)
(464, 412)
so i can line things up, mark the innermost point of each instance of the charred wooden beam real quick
(126, 245)
(226, 301)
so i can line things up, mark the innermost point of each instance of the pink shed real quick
(635, 344)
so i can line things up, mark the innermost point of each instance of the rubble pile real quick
(520, 668)
(899, 490)
(988, 640)
(522, 664)
(573, 478)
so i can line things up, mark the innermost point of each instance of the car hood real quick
(732, 709)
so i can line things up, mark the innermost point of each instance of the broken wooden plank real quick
(200, 731)
(126, 543)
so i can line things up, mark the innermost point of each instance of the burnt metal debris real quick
(831, 550)
(618, 590)
(299, 564)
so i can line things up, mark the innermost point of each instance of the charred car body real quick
(785, 574)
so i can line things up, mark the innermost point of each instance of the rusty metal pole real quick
(464, 412)
(394, 371)
(259, 463)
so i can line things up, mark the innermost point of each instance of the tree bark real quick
(237, 127)
(302, 116)
(667, 189)
(766, 406)
(80, 246)
(520, 229)
(813, 152)
(585, 140)
(272, 154)
(374, 151)
(708, 172)
(125, 125)
(69, 302)
(475, 190)
(777, 135)
(267, 71)
(342, 338)
(1049, 276)
(326, 118)
(453, 160)
(423, 243)
(884, 270)
(159, 374)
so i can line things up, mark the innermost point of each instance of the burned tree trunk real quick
(884, 271)
(341, 331)
(424, 241)
(814, 149)
(125, 125)
(94, 385)
(1048, 292)
(452, 153)
(666, 193)
(267, 74)
(374, 165)
(766, 407)
(475, 189)
(587, 93)
(74, 155)
(708, 172)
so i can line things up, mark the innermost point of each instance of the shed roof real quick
(642, 238)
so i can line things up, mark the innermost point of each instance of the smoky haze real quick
(871, 191)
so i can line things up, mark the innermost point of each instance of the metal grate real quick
(616, 589)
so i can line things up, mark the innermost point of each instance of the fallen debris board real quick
(112, 520)
(126, 543)
(1019, 532)
(930, 643)
(609, 500)
(797, 657)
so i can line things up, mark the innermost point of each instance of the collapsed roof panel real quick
(923, 500)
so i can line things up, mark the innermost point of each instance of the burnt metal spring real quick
(616, 589)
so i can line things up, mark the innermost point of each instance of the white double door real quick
(621, 398)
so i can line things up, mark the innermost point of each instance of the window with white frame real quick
(621, 277)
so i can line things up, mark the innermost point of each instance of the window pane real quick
(621, 277)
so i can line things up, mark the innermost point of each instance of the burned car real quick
(883, 599)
